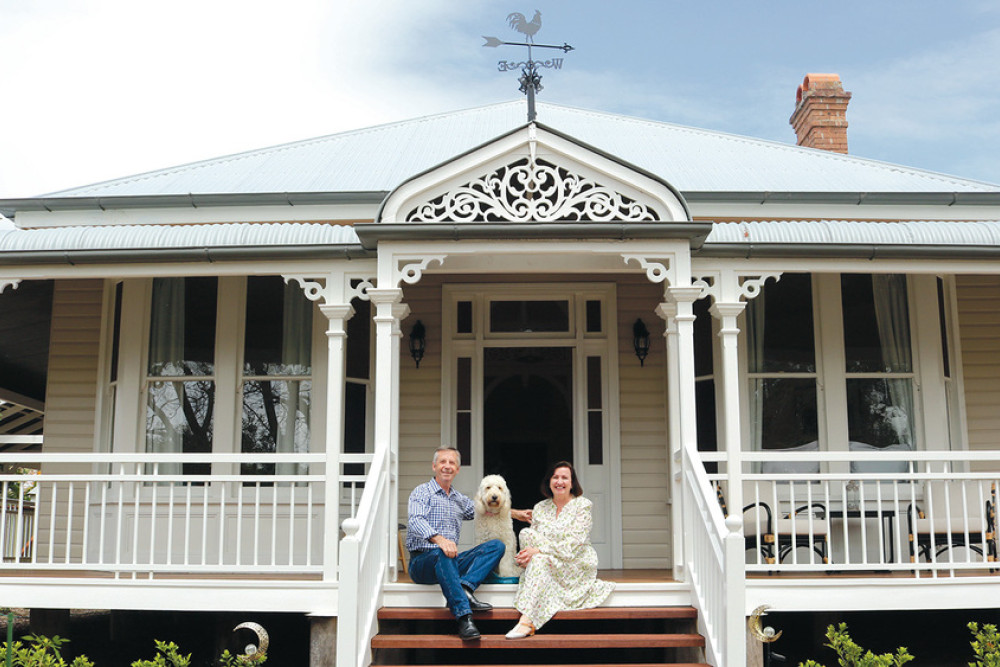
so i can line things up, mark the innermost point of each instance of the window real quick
(180, 373)
(832, 363)
(782, 365)
(277, 373)
(217, 365)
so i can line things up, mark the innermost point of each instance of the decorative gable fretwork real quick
(532, 190)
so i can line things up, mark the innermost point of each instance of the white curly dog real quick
(493, 521)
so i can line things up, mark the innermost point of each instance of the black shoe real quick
(467, 629)
(474, 604)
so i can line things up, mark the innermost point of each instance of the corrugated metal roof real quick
(381, 157)
(906, 233)
(152, 237)
(979, 233)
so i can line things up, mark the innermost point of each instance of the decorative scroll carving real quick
(655, 271)
(11, 282)
(750, 286)
(731, 286)
(412, 273)
(532, 190)
(321, 288)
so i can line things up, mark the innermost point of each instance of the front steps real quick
(606, 636)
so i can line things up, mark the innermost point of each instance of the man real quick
(436, 512)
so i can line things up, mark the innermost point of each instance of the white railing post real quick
(348, 624)
(730, 408)
(668, 311)
(735, 593)
(336, 337)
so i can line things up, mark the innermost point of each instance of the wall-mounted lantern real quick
(640, 340)
(418, 342)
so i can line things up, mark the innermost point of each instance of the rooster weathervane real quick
(531, 80)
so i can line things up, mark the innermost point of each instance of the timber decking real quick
(605, 636)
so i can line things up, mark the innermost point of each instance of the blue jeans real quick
(469, 568)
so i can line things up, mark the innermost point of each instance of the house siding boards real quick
(979, 322)
(642, 394)
(71, 391)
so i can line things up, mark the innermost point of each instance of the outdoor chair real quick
(931, 536)
(808, 527)
(757, 532)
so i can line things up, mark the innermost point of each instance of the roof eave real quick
(870, 251)
(9, 207)
(177, 255)
(857, 198)
(371, 234)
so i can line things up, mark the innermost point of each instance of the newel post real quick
(734, 642)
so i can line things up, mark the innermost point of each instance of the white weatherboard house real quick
(233, 417)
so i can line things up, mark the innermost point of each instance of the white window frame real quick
(126, 416)
(930, 424)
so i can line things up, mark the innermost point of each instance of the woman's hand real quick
(524, 556)
(521, 515)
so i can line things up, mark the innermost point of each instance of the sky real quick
(100, 89)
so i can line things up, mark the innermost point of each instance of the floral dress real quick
(564, 574)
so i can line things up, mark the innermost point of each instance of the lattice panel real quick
(532, 190)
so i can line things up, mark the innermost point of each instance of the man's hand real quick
(449, 548)
(521, 515)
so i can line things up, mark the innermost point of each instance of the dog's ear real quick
(477, 500)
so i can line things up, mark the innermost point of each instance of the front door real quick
(532, 385)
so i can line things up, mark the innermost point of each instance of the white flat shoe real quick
(521, 631)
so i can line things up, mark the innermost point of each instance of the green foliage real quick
(227, 659)
(14, 488)
(40, 651)
(167, 654)
(986, 645)
(849, 654)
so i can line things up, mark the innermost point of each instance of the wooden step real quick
(509, 614)
(541, 640)
(617, 664)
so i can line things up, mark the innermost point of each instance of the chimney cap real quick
(829, 82)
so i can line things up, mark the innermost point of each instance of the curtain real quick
(164, 433)
(755, 343)
(892, 319)
(292, 434)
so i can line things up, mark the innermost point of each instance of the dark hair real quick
(575, 489)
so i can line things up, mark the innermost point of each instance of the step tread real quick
(545, 640)
(577, 664)
(508, 613)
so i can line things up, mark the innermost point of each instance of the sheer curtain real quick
(892, 318)
(755, 344)
(164, 431)
(296, 349)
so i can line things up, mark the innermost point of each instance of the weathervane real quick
(531, 80)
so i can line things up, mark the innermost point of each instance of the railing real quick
(364, 554)
(714, 564)
(132, 514)
(928, 514)
(17, 539)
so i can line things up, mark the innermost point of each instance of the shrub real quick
(167, 653)
(40, 651)
(852, 655)
(986, 645)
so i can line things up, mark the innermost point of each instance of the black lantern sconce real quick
(640, 339)
(418, 342)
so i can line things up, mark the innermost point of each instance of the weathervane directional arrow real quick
(531, 80)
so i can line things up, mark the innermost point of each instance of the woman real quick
(561, 566)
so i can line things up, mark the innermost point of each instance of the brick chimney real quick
(820, 118)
